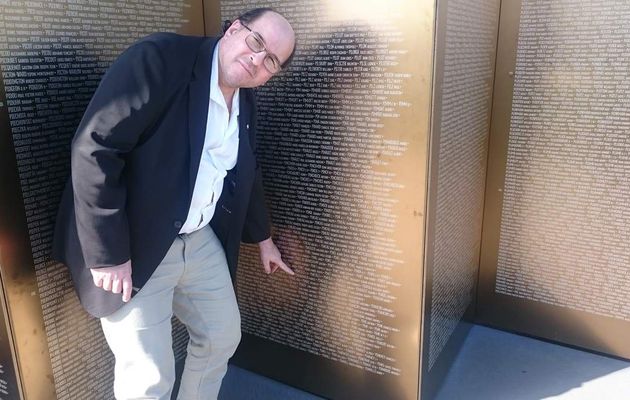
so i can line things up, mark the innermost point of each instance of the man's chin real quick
(245, 84)
(235, 82)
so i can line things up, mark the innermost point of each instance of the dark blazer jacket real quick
(134, 162)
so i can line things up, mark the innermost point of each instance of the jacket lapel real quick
(199, 96)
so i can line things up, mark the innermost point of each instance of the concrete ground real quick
(492, 365)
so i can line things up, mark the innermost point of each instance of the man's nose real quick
(258, 58)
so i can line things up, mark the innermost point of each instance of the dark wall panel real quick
(52, 55)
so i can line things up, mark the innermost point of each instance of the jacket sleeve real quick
(257, 226)
(127, 101)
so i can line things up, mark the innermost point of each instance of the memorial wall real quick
(557, 243)
(52, 56)
(394, 160)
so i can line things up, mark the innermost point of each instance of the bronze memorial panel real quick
(343, 142)
(466, 38)
(556, 247)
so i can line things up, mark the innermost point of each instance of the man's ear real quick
(235, 27)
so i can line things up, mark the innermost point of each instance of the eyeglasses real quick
(257, 45)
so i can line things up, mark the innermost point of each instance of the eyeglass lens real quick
(256, 45)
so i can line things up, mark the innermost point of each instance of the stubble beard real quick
(236, 76)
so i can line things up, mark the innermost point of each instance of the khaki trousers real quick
(193, 283)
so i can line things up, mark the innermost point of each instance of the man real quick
(164, 185)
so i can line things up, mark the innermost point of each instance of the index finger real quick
(285, 268)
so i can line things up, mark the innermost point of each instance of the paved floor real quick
(495, 365)
(492, 365)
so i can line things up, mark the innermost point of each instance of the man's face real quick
(239, 66)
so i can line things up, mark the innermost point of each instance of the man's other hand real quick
(271, 258)
(116, 279)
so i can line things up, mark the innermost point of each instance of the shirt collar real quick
(215, 92)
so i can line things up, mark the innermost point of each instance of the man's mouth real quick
(247, 68)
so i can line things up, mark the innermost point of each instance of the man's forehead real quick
(273, 28)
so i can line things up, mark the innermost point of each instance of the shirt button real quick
(177, 224)
(247, 126)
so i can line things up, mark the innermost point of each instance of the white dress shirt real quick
(220, 149)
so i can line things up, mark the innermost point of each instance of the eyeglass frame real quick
(269, 55)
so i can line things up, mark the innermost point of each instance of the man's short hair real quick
(252, 15)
